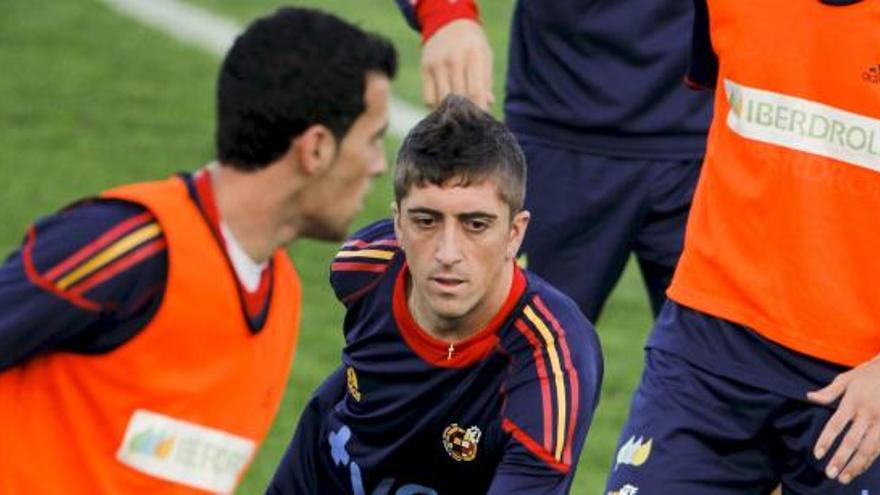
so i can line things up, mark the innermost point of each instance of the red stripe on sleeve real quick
(434, 14)
(102, 241)
(572, 376)
(45, 284)
(358, 243)
(541, 368)
(533, 447)
(119, 265)
(354, 296)
(341, 266)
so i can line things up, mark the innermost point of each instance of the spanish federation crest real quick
(461, 444)
(353, 389)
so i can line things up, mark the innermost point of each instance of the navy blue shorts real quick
(589, 212)
(691, 432)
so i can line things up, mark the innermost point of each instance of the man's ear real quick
(314, 150)
(395, 215)
(517, 232)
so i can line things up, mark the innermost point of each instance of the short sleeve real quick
(362, 261)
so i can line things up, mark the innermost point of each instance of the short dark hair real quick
(460, 141)
(288, 71)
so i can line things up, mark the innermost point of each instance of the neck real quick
(467, 325)
(253, 205)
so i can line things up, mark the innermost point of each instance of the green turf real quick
(89, 99)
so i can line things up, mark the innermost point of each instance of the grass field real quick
(89, 99)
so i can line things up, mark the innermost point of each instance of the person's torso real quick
(421, 414)
(783, 234)
(179, 408)
(605, 77)
(412, 421)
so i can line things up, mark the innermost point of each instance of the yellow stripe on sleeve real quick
(366, 253)
(110, 253)
(558, 377)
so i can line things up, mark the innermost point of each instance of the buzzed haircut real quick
(460, 142)
(288, 71)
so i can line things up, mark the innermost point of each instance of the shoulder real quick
(550, 321)
(555, 354)
(91, 243)
(363, 260)
(88, 227)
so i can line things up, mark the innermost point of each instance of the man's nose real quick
(448, 249)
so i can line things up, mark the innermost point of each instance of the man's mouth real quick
(447, 282)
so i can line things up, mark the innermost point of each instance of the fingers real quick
(846, 449)
(860, 409)
(832, 430)
(438, 79)
(830, 393)
(429, 88)
(464, 76)
(457, 59)
(864, 456)
(457, 77)
(442, 85)
(479, 78)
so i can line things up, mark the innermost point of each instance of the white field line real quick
(215, 34)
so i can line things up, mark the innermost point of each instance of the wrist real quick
(434, 14)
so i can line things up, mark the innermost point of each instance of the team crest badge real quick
(461, 444)
(353, 389)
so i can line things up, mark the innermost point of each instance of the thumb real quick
(831, 392)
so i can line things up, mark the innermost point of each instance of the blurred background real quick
(91, 98)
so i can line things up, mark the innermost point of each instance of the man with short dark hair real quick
(461, 372)
(613, 138)
(154, 326)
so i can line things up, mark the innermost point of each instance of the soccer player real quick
(612, 137)
(764, 367)
(461, 372)
(147, 333)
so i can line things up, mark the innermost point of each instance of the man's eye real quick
(477, 225)
(424, 222)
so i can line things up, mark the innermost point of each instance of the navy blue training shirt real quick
(505, 411)
(603, 76)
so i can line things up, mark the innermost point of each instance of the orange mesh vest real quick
(784, 233)
(178, 409)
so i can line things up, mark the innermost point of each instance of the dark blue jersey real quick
(91, 276)
(86, 279)
(606, 76)
(602, 76)
(504, 411)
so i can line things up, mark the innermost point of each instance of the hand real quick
(458, 59)
(859, 393)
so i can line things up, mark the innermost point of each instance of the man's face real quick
(459, 244)
(339, 193)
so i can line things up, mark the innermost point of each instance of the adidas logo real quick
(872, 75)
